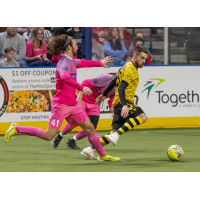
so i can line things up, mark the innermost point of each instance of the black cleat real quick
(72, 144)
(55, 142)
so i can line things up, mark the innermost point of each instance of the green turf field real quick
(140, 151)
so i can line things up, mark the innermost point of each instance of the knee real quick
(90, 129)
(143, 117)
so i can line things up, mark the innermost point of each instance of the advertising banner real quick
(164, 93)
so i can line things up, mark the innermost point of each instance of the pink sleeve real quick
(66, 77)
(86, 82)
(45, 48)
(110, 101)
(29, 49)
(80, 63)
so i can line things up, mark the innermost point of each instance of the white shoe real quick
(89, 153)
(113, 137)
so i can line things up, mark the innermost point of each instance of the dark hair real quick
(56, 45)
(117, 45)
(9, 49)
(139, 49)
(138, 39)
(128, 54)
(61, 31)
(95, 36)
(138, 32)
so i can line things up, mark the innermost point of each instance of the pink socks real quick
(81, 134)
(67, 129)
(31, 131)
(94, 141)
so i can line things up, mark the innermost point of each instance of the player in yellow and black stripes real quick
(126, 114)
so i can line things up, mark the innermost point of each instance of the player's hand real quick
(106, 60)
(99, 99)
(87, 91)
(125, 111)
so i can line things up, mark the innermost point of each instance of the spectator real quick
(128, 56)
(9, 61)
(140, 42)
(27, 34)
(53, 30)
(47, 35)
(97, 49)
(76, 33)
(114, 46)
(59, 31)
(36, 49)
(125, 36)
(102, 33)
(141, 35)
(11, 38)
(22, 30)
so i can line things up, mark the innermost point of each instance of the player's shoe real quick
(89, 153)
(113, 137)
(11, 132)
(55, 142)
(108, 158)
(72, 144)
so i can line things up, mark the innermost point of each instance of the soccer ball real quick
(175, 152)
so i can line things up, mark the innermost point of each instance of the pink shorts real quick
(90, 109)
(72, 114)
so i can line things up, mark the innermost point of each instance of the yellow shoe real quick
(10, 132)
(109, 158)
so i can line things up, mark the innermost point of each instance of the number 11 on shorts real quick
(53, 122)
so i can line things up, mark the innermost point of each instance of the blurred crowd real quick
(29, 46)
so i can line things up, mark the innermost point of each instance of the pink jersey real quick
(98, 85)
(31, 51)
(66, 80)
(57, 58)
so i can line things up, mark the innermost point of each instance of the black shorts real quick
(118, 120)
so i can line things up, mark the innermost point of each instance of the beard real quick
(74, 52)
(138, 65)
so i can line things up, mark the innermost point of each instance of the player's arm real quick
(127, 78)
(79, 97)
(66, 77)
(103, 96)
(80, 63)
(110, 106)
(122, 97)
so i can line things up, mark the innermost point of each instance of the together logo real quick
(149, 87)
(187, 99)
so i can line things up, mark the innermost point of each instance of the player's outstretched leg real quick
(94, 141)
(130, 123)
(48, 135)
(11, 132)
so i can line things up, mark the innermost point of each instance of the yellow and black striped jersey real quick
(128, 73)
